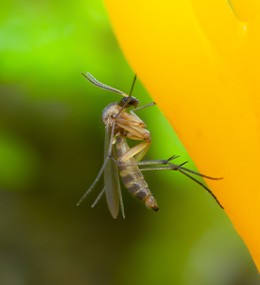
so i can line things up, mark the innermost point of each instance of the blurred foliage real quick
(51, 147)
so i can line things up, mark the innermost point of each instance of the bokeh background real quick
(51, 148)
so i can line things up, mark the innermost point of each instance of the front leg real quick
(134, 132)
(138, 151)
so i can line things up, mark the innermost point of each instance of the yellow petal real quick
(200, 61)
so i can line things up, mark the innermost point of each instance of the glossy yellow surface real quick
(200, 61)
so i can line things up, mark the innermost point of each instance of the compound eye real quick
(129, 101)
(134, 102)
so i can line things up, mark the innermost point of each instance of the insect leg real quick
(142, 153)
(98, 198)
(157, 162)
(107, 158)
(135, 133)
(202, 185)
(166, 165)
(120, 201)
(144, 106)
(140, 148)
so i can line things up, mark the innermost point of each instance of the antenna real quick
(133, 85)
(99, 84)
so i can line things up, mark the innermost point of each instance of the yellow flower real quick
(200, 61)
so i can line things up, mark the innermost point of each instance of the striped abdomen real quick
(132, 177)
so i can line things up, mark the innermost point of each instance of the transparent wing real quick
(111, 180)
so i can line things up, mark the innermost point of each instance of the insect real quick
(121, 124)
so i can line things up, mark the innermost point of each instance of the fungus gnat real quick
(122, 124)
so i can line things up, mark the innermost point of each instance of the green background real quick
(51, 148)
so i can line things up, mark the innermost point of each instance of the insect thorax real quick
(110, 112)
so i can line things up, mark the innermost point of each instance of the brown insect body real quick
(129, 125)
(132, 177)
(122, 124)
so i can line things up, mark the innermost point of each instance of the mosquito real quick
(121, 124)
